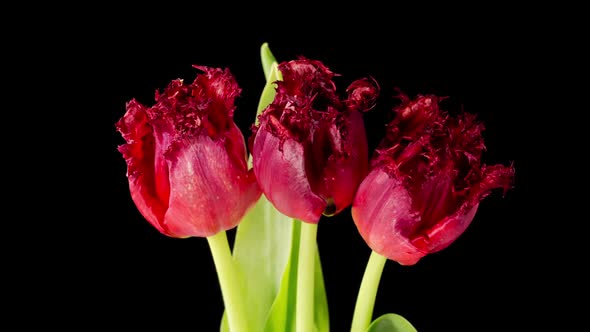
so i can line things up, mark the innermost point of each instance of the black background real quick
(110, 268)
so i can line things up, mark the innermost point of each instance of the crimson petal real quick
(285, 184)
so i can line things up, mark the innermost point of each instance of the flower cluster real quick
(189, 175)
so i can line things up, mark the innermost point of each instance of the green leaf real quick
(391, 323)
(224, 325)
(321, 315)
(269, 91)
(272, 74)
(282, 315)
(267, 59)
(261, 252)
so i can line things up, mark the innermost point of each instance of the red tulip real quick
(310, 148)
(426, 182)
(186, 158)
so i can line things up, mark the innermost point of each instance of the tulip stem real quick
(363, 311)
(228, 280)
(305, 278)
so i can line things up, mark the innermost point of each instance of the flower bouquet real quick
(192, 174)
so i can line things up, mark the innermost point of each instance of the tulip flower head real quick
(186, 158)
(310, 148)
(425, 183)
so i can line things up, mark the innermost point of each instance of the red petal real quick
(362, 94)
(445, 232)
(434, 199)
(140, 155)
(382, 212)
(209, 192)
(280, 170)
(344, 172)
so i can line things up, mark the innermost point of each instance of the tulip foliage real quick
(190, 175)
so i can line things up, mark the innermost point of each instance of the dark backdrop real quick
(112, 269)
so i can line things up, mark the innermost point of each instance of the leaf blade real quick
(261, 253)
(321, 312)
(391, 323)
(281, 317)
(267, 59)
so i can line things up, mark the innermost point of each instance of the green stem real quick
(228, 280)
(363, 311)
(305, 278)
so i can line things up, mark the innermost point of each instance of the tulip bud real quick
(310, 147)
(186, 158)
(425, 183)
